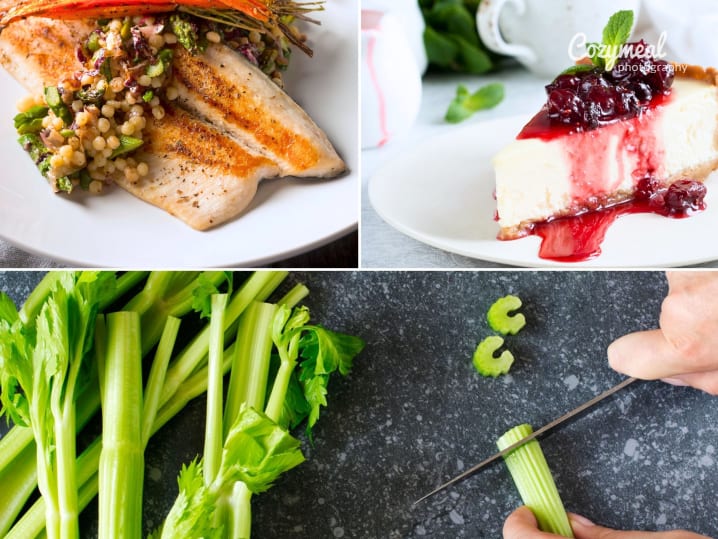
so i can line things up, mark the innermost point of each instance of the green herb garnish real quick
(30, 121)
(465, 104)
(127, 144)
(615, 34)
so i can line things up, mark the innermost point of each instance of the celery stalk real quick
(294, 296)
(18, 483)
(213, 439)
(250, 368)
(532, 476)
(121, 470)
(157, 375)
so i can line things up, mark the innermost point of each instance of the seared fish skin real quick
(197, 172)
(236, 97)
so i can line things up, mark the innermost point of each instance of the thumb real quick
(585, 529)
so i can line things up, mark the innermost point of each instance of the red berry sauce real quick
(579, 238)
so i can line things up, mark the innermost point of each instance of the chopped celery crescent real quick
(530, 472)
(499, 318)
(485, 361)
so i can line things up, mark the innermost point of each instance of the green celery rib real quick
(213, 439)
(250, 369)
(121, 470)
(18, 483)
(532, 476)
(157, 375)
(248, 384)
(20, 443)
(32, 523)
(294, 296)
(258, 287)
(37, 297)
(192, 388)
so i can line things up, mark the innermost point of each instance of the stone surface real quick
(414, 413)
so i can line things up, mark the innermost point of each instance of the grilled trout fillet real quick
(197, 172)
(233, 95)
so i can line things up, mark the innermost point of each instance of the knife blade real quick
(568, 415)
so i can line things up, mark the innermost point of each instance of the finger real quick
(521, 524)
(705, 381)
(585, 529)
(646, 355)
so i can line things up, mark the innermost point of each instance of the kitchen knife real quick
(545, 428)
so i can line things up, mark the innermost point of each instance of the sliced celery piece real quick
(486, 363)
(499, 318)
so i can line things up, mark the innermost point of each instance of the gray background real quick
(414, 413)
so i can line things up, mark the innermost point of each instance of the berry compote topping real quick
(588, 99)
(680, 199)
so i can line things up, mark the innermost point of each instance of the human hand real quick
(684, 351)
(521, 524)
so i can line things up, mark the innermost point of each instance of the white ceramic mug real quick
(538, 33)
(390, 80)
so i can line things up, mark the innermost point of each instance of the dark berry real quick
(684, 196)
(565, 106)
(564, 82)
(603, 100)
(643, 92)
(647, 187)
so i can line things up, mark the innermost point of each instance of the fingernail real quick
(674, 381)
(581, 520)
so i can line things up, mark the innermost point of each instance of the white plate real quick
(441, 193)
(287, 217)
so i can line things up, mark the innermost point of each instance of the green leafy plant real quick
(451, 39)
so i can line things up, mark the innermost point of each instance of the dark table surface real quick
(414, 413)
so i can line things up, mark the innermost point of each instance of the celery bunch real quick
(247, 445)
(79, 343)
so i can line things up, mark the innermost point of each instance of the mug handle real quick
(487, 21)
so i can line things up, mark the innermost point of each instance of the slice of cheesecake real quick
(603, 139)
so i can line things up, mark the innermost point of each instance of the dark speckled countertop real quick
(414, 413)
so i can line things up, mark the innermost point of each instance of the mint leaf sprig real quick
(465, 104)
(615, 34)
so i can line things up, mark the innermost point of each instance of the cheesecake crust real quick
(700, 73)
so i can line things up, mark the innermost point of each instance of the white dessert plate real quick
(287, 217)
(441, 193)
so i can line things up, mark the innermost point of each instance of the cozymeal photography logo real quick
(580, 47)
(639, 50)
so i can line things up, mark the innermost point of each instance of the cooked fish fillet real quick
(197, 172)
(237, 97)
